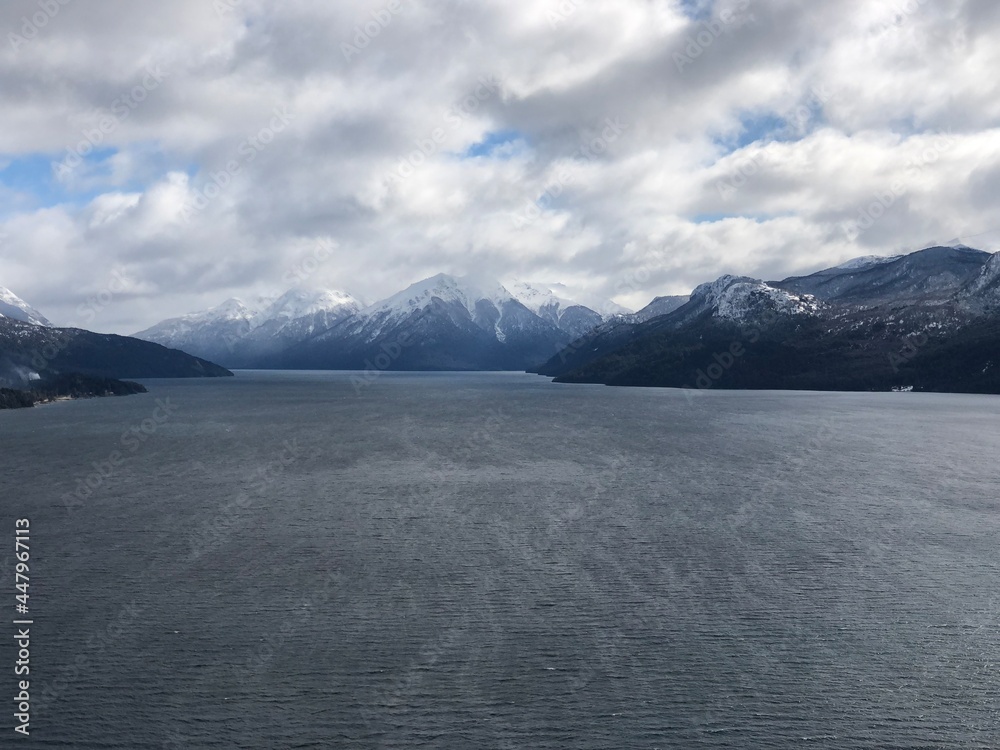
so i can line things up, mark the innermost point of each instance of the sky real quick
(159, 158)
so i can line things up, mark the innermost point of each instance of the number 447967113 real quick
(23, 554)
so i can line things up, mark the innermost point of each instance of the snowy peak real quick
(464, 290)
(441, 323)
(230, 312)
(573, 311)
(205, 334)
(540, 296)
(231, 309)
(292, 305)
(301, 302)
(741, 298)
(234, 331)
(15, 308)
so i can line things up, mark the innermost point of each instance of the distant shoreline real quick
(66, 387)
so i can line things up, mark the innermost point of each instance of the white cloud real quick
(808, 111)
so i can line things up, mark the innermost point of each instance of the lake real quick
(318, 560)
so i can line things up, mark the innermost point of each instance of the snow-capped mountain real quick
(301, 303)
(466, 292)
(211, 334)
(15, 308)
(236, 333)
(573, 311)
(441, 323)
(727, 301)
(295, 316)
(743, 299)
(448, 322)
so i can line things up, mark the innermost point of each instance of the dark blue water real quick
(494, 561)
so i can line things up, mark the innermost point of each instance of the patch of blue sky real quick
(43, 180)
(765, 127)
(769, 127)
(34, 177)
(500, 144)
(697, 10)
(715, 218)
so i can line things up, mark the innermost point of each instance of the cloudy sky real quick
(184, 151)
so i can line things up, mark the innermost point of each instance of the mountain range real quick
(929, 320)
(441, 323)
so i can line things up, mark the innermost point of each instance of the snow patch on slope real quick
(464, 290)
(301, 302)
(738, 297)
(15, 308)
(984, 291)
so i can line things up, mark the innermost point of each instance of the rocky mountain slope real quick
(30, 352)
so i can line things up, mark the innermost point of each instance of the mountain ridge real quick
(450, 322)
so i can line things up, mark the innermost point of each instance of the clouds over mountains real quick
(227, 146)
